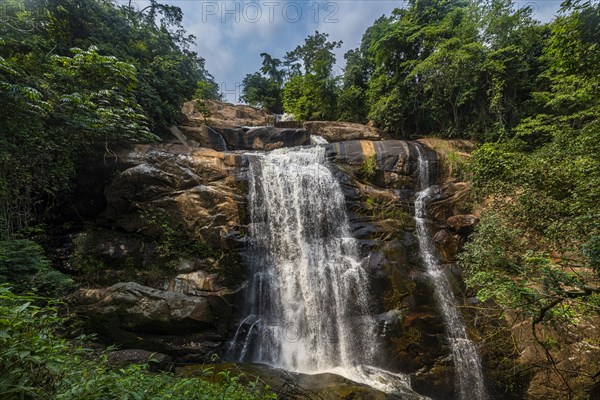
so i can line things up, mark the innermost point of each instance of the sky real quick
(230, 35)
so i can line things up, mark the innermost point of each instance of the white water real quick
(310, 294)
(467, 364)
(316, 140)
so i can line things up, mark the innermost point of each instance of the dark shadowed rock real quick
(462, 224)
(200, 136)
(263, 138)
(123, 358)
(454, 200)
(448, 245)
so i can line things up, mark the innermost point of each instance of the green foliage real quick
(368, 168)
(306, 89)
(264, 89)
(262, 92)
(591, 249)
(507, 266)
(537, 251)
(37, 363)
(207, 90)
(352, 105)
(310, 97)
(453, 68)
(173, 240)
(77, 77)
(24, 266)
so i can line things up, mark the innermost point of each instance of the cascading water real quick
(310, 293)
(467, 363)
(309, 298)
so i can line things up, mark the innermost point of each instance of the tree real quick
(61, 103)
(315, 55)
(262, 92)
(264, 89)
(311, 91)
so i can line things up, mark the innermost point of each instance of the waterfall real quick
(309, 298)
(467, 363)
(309, 308)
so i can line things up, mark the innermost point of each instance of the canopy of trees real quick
(77, 76)
(310, 91)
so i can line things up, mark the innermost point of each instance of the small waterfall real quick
(467, 363)
(316, 140)
(310, 294)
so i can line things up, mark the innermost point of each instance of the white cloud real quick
(232, 48)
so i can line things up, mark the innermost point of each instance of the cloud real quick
(232, 34)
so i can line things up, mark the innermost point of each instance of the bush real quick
(23, 265)
(37, 363)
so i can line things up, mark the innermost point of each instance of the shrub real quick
(23, 265)
(37, 363)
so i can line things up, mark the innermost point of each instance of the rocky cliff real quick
(162, 267)
(163, 263)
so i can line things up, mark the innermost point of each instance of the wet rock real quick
(322, 386)
(391, 155)
(448, 245)
(263, 138)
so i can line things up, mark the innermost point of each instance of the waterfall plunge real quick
(467, 364)
(310, 301)
(309, 298)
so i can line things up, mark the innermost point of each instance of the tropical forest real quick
(403, 209)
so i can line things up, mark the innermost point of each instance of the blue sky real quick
(232, 34)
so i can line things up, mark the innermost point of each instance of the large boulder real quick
(222, 115)
(463, 223)
(263, 138)
(199, 136)
(199, 283)
(337, 131)
(132, 306)
(448, 245)
(197, 189)
(454, 200)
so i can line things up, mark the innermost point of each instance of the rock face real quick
(336, 131)
(138, 307)
(462, 223)
(199, 136)
(165, 258)
(162, 265)
(165, 252)
(197, 188)
(233, 128)
(222, 115)
(263, 138)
